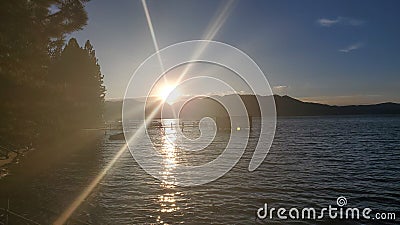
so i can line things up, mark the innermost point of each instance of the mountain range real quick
(285, 106)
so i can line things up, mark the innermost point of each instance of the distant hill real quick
(285, 106)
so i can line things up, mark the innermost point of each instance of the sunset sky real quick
(336, 52)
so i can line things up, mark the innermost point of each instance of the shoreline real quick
(46, 154)
(13, 158)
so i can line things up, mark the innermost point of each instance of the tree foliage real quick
(77, 77)
(32, 36)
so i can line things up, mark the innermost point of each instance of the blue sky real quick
(336, 52)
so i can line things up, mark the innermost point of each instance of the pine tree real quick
(76, 74)
(31, 33)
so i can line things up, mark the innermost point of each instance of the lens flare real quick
(168, 93)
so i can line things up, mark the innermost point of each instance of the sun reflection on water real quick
(168, 200)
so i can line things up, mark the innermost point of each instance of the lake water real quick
(313, 161)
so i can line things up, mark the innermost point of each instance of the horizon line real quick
(296, 98)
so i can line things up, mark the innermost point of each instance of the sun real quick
(168, 93)
(165, 91)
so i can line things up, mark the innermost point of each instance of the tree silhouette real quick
(31, 34)
(77, 76)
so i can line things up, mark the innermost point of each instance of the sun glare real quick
(167, 93)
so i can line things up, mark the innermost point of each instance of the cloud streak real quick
(351, 47)
(280, 89)
(326, 22)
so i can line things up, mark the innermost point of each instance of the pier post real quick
(7, 210)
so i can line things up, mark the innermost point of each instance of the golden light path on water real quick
(168, 200)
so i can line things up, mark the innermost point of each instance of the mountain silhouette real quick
(285, 106)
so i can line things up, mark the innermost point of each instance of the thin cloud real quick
(351, 47)
(356, 99)
(280, 89)
(325, 22)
